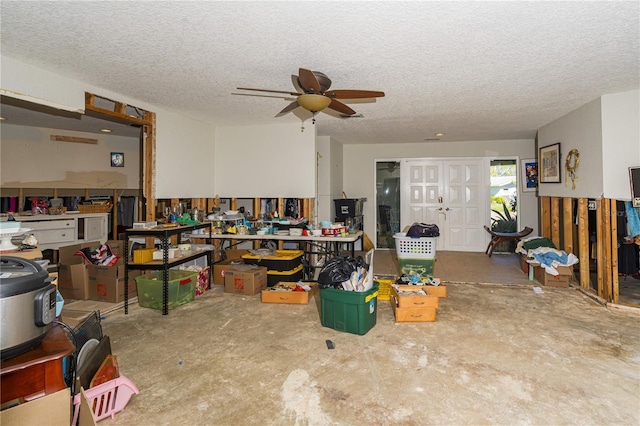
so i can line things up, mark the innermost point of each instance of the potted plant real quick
(504, 222)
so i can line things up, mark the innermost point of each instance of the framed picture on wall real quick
(549, 163)
(117, 159)
(529, 175)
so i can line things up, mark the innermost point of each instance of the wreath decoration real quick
(571, 164)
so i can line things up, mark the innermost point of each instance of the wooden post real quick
(281, 207)
(567, 224)
(280, 214)
(545, 219)
(308, 209)
(555, 222)
(20, 200)
(614, 253)
(583, 243)
(600, 249)
(257, 205)
(114, 216)
(607, 289)
(149, 166)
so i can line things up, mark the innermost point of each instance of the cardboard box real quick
(52, 409)
(437, 290)
(565, 275)
(66, 254)
(72, 317)
(245, 279)
(413, 307)
(73, 281)
(523, 264)
(235, 254)
(106, 283)
(289, 296)
(427, 314)
(408, 297)
(234, 257)
(117, 247)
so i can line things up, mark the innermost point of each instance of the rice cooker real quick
(27, 305)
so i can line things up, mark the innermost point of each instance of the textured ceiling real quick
(473, 70)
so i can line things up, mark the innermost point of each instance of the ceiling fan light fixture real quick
(313, 103)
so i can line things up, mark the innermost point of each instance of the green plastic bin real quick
(420, 267)
(182, 286)
(350, 311)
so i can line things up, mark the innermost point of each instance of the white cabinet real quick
(55, 231)
(52, 231)
(95, 228)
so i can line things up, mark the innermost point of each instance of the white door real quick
(452, 193)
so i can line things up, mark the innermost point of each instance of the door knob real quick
(447, 209)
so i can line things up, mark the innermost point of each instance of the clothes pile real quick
(542, 251)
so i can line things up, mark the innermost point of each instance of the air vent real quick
(432, 139)
(352, 116)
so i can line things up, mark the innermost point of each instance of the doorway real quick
(387, 203)
(504, 200)
(451, 193)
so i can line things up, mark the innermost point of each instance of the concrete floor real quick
(498, 354)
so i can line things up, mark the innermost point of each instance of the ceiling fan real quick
(313, 94)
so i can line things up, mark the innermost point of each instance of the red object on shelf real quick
(334, 231)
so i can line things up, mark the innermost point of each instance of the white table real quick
(316, 249)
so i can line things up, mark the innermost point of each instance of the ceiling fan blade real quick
(270, 91)
(354, 94)
(288, 98)
(308, 80)
(293, 105)
(340, 107)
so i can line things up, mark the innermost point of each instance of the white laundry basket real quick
(416, 255)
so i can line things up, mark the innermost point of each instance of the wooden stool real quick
(499, 237)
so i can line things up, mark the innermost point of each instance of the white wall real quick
(267, 161)
(30, 159)
(620, 142)
(359, 168)
(581, 129)
(33, 84)
(323, 198)
(184, 144)
(184, 157)
(337, 178)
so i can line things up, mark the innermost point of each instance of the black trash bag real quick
(338, 270)
(423, 230)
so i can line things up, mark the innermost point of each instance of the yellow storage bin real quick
(384, 291)
(294, 275)
(143, 255)
(283, 260)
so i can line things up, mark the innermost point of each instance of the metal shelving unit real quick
(164, 235)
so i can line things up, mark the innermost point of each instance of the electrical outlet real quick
(592, 205)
